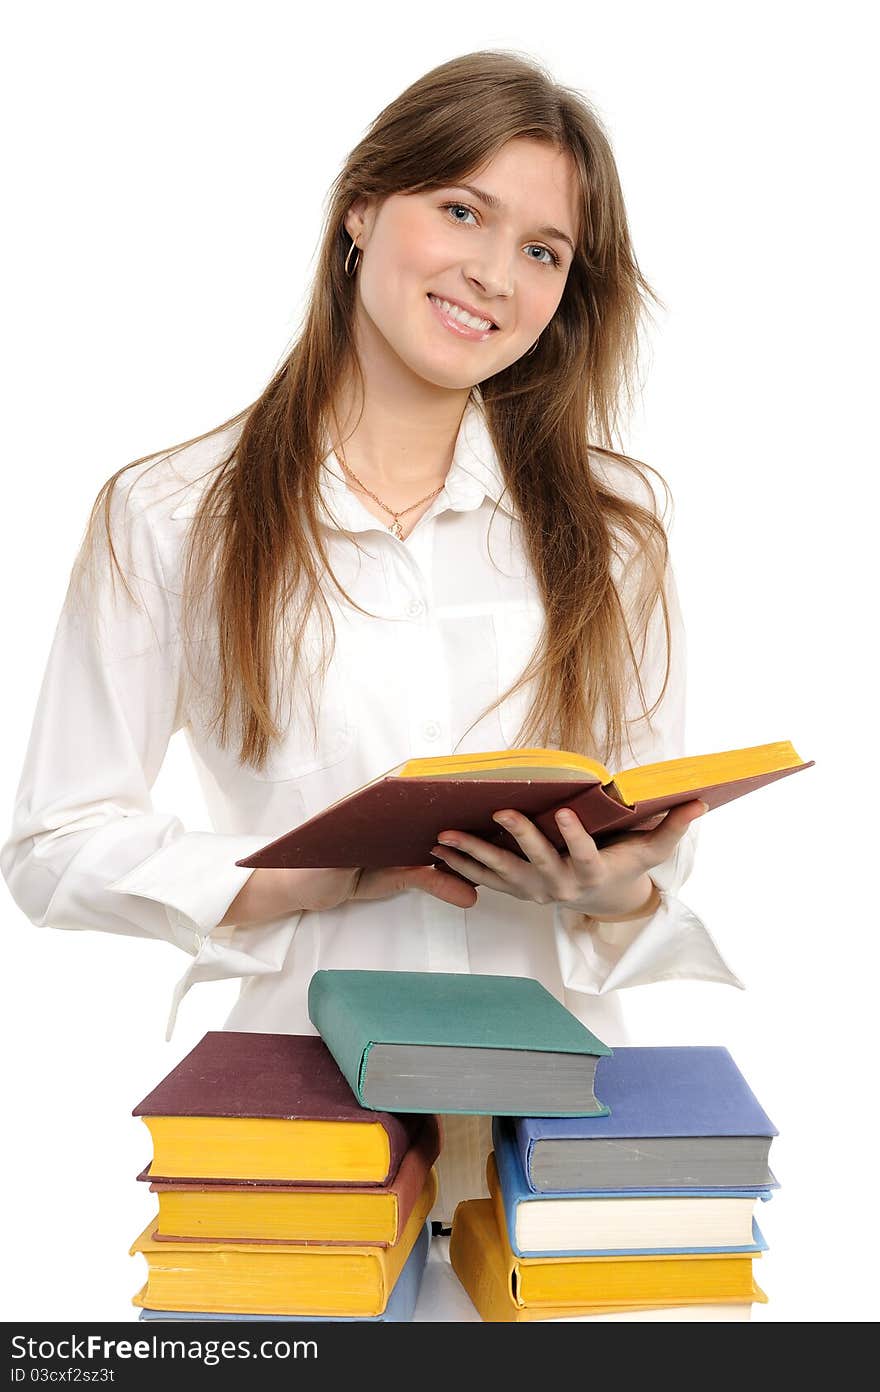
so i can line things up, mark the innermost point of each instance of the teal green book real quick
(456, 1042)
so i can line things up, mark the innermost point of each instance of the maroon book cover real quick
(395, 821)
(233, 1073)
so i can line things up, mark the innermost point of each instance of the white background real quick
(167, 167)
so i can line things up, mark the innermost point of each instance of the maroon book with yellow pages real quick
(395, 819)
(271, 1213)
(244, 1106)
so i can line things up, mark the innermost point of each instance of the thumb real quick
(452, 889)
(382, 884)
(662, 841)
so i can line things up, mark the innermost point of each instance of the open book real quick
(395, 819)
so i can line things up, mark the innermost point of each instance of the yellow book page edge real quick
(279, 1216)
(390, 1260)
(445, 764)
(702, 770)
(269, 1148)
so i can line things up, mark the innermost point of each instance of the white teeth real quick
(461, 315)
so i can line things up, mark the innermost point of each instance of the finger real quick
(495, 858)
(542, 854)
(382, 884)
(659, 844)
(449, 888)
(582, 848)
(475, 871)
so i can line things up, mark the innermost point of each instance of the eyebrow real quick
(491, 200)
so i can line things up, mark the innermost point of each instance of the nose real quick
(491, 273)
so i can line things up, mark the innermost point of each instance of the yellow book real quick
(278, 1215)
(509, 1289)
(278, 1278)
(480, 1262)
(262, 1148)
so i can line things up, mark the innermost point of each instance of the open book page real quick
(523, 763)
(703, 770)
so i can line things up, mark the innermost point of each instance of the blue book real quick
(598, 1223)
(681, 1117)
(399, 1309)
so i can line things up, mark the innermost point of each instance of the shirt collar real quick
(474, 474)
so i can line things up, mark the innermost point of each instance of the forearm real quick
(266, 895)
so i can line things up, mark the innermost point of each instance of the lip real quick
(463, 330)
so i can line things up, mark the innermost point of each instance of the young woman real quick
(419, 540)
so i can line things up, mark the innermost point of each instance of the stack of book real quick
(279, 1195)
(645, 1213)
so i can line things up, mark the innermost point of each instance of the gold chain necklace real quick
(393, 527)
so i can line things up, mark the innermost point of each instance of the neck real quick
(399, 434)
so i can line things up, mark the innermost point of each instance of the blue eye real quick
(554, 259)
(448, 207)
(463, 206)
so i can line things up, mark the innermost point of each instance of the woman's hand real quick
(612, 881)
(269, 894)
(380, 884)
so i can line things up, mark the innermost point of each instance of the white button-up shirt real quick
(454, 615)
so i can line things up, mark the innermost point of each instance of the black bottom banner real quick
(194, 1354)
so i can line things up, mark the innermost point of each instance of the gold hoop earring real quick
(533, 347)
(351, 272)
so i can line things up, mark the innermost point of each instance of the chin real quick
(449, 375)
(450, 381)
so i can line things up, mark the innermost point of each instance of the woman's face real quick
(507, 263)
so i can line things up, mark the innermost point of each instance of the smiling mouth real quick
(467, 324)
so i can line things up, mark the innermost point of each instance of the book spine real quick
(479, 1266)
(336, 1021)
(598, 810)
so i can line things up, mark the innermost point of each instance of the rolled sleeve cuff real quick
(253, 950)
(672, 944)
(195, 877)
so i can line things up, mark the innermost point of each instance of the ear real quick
(358, 217)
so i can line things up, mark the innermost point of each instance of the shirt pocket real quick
(518, 629)
(315, 737)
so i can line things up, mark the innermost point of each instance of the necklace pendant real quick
(396, 529)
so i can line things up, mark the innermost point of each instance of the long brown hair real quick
(255, 552)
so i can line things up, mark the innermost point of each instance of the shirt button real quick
(431, 730)
(414, 608)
